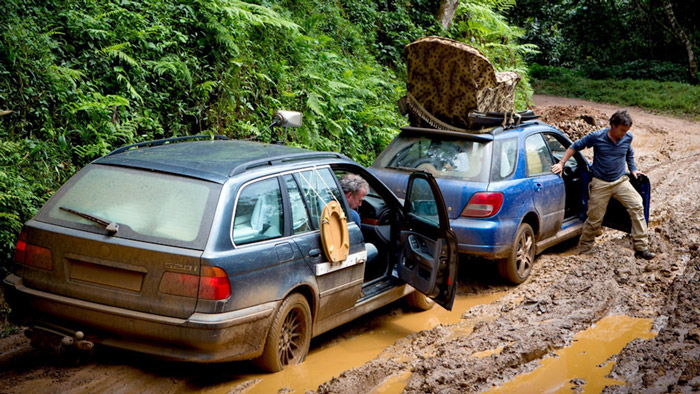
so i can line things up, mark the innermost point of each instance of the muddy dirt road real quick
(636, 320)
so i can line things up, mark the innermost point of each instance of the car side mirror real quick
(287, 119)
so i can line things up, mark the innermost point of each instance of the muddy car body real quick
(503, 201)
(211, 250)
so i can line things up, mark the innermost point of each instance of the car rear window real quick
(147, 206)
(442, 156)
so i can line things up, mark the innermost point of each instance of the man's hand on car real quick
(557, 168)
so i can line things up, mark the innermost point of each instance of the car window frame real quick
(340, 197)
(288, 233)
(284, 207)
(291, 209)
(515, 159)
(546, 170)
(563, 141)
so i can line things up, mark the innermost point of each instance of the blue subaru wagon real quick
(214, 250)
(503, 201)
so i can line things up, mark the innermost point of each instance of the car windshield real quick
(439, 155)
(146, 206)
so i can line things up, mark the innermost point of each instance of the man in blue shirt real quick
(355, 189)
(612, 149)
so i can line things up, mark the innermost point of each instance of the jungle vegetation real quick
(614, 39)
(624, 52)
(79, 78)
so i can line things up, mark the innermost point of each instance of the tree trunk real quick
(447, 12)
(683, 37)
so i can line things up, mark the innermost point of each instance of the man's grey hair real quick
(621, 117)
(353, 183)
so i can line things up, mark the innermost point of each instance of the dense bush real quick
(637, 69)
(611, 39)
(82, 77)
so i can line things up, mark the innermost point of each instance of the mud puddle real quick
(330, 359)
(586, 363)
(394, 384)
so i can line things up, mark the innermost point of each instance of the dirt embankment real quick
(566, 294)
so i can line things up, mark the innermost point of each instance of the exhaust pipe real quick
(45, 337)
(85, 345)
(77, 341)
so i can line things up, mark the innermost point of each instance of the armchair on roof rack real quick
(453, 86)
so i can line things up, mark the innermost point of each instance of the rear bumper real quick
(492, 239)
(236, 335)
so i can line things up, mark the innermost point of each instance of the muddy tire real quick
(516, 268)
(419, 301)
(288, 340)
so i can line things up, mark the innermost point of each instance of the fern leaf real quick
(315, 103)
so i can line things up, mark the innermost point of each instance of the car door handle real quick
(314, 253)
(538, 186)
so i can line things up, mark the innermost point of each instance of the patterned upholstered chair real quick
(448, 80)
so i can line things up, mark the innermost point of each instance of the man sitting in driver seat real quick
(355, 189)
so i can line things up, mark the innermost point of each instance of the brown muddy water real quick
(327, 361)
(586, 360)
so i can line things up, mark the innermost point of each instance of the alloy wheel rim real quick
(523, 262)
(291, 337)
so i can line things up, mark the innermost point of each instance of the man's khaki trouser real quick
(599, 193)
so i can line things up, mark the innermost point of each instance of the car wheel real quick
(419, 301)
(288, 341)
(517, 266)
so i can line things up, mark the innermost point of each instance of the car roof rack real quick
(167, 141)
(483, 124)
(269, 161)
(505, 119)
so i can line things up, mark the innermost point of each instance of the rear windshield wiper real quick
(111, 227)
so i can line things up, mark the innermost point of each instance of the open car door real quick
(428, 256)
(616, 215)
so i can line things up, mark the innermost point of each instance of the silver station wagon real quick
(208, 249)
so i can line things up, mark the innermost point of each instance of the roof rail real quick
(269, 161)
(167, 141)
(505, 119)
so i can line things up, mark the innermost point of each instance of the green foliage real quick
(6, 329)
(673, 98)
(83, 77)
(610, 39)
(637, 69)
(481, 24)
(29, 169)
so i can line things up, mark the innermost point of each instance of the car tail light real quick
(175, 283)
(212, 284)
(21, 248)
(483, 205)
(32, 255)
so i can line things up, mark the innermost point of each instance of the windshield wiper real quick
(111, 227)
